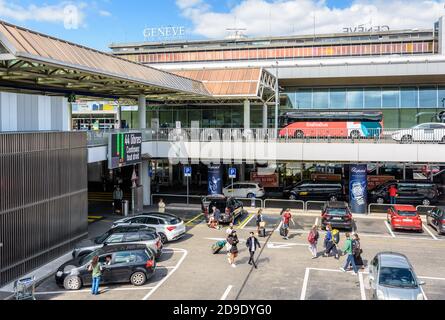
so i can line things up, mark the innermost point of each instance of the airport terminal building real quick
(397, 72)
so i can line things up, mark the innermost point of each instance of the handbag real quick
(262, 224)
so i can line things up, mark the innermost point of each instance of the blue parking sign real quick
(187, 171)
(232, 173)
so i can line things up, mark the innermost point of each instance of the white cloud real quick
(104, 13)
(59, 13)
(284, 17)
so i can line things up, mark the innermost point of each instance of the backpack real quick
(311, 237)
(335, 236)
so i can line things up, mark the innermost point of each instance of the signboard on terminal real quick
(124, 149)
(164, 33)
(363, 28)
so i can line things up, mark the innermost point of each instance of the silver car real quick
(392, 277)
(425, 132)
(122, 235)
(168, 226)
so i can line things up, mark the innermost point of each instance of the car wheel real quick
(332, 198)
(138, 278)
(250, 195)
(380, 200)
(163, 238)
(299, 134)
(426, 202)
(292, 197)
(355, 134)
(407, 139)
(72, 283)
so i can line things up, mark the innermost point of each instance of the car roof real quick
(394, 260)
(404, 207)
(122, 247)
(160, 215)
(215, 196)
(132, 228)
(337, 204)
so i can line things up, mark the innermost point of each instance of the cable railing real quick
(303, 135)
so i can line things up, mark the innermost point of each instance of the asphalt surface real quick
(188, 269)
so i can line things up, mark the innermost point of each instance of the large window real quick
(338, 99)
(409, 97)
(303, 99)
(427, 97)
(390, 98)
(354, 98)
(373, 98)
(321, 99)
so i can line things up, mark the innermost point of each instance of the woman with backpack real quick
(313, 240)
(331, 241)
(357, 251)
(259, 219)
(232, 239)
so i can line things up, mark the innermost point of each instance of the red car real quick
(404, 217)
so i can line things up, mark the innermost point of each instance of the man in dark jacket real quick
(252, 244)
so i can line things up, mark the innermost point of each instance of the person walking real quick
(96, 272)
(259, 219)
(229, 231)
(216, 215)
(161, 206)
(252, 244)
(233, 241)
(357, 251)
(118, 195)
(393, 194)
(287, 217)
(313, 240)
(350, 259)
(331, 241)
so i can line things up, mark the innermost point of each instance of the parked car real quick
(244, 190)
(236, 207)
(315, 190)
(132, 263)
(392, 277)
(167, 225)
(404, 217)
(123, 234)
(436, 219)
(338, 215)
(425, 132)
(409, 192)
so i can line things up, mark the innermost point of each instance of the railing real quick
(385, 206)
(350, 135)
(281, 203)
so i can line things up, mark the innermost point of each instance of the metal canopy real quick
(34, 62)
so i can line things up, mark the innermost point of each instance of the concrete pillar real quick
(70, 116)
(441, 44)
(145, 181)
(142, 115)
(246, 114)
(265, 116)
(118, 124)
(242, 172)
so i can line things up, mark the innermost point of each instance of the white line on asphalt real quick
(279, 226)
(102, 290)
(226, 293)
(316, 221)
(246, 223)
(432, 278)
(305, 281)
(185, 252)
(261, 241)
(389, 229)
(429, 231)
(362, 286)
(423, 292)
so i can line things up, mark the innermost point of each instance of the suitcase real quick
(282, 232)
(217, 247)
(262, 232)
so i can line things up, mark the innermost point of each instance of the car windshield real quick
(397, 277)
(220, 204)
(101, 239)
(337, 211)
(407, 213)
(87, 258)
(174, 221)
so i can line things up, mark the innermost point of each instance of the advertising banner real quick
(124, 149)
(267, 181)
(215, 180)
(358, 188)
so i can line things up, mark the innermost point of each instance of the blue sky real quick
(106, 21)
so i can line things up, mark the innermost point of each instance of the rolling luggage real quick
(282, 232)
(262, 232)
(217, 247)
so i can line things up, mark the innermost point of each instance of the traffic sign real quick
(232, 173)
(187, 171)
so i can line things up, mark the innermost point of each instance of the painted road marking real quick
(429, 231)
(389, 229)
(279, 227)
(305, 281)
(423, 292)
(226, 293)
(102, 290)
(246, 221)
(190, 221)
(362, 286)
(185, 252)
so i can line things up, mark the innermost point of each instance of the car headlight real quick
(420, 296)
(380, 295)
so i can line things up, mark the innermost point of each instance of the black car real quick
(422, 192)
(338, 215)
(315, 190)
(222, 202)
(137, 234)
(132, 263)
(436, 219)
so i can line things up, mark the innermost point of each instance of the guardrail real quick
(291, 204)
(321, 203)
(421, 209)
(326, 135)
(193, 198)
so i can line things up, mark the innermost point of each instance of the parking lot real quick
(188, 269)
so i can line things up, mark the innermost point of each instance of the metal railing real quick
(319, 205)
(421, 209)
(281, 203)
(313, 135)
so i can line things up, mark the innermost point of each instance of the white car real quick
(425, 132)
(168, 226)
(244, 190)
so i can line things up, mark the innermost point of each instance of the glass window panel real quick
(338, 99)
(354, 99)
(290, 100)
(303, 99)
(408, 118)
(194, 115)
(427, 97)
(441, 97)
(321, 99)
(237, 118)
(408, 97)
(166, 118)
(373, 98)
(256, 117)
(390, 98)
(427, 115)
(391, 118)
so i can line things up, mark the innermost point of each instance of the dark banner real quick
(358, 188)
(124, 149)
(215, 180)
